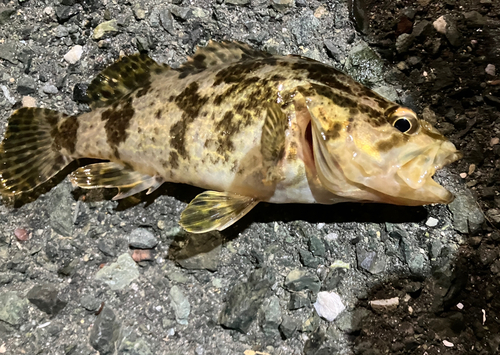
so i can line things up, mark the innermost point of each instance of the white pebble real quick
(490, 69)
(328, 305)
(385, 305)
(431, 222)
(448, 344)
(440, 25)
(460, 306)
(331, 236)
(74, 54)
(320, 225)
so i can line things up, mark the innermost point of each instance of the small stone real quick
(238, 2)
(333, 50)
(404, 42)
(80, 93)
(298, 280)
(304, 27)
(194, 253)
(13, 309)
(46, 299)
(167, 20)
(308, 259)
(61, 210)
(50, 89)
(431, 222)
(28, 101)
(245, 299)
(120, 274)
(490, 70)
(422, 29)
(184, 13)
(467, 217)
(142, 255)
(74, 54)
(311, 324)
(281, 5)
(270, 316)
(298, 300)
(180, 304)
(447, 26)
(7, 95)
(90, 302)
(26, 85)
(61, 31)
(198, 12)
(474, 19)
(8, 52)
(385, 305)
(288, 327)
(64, 13)
(139, 13)
(328, 305)
(5, 13)
(371, 261)
(105, 30)
(105, 332)
(21, 234)
(134, 346)
(142, 238)
(448, 344)
(351, 322)
(440, 25)
(494, 215)
(316, 246)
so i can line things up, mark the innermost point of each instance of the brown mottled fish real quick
(246, 125)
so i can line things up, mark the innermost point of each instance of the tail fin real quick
(36, 146)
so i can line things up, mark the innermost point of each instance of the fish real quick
(245, 125)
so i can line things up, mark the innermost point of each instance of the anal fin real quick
(212, 210)
(272, 143)
(109, 174)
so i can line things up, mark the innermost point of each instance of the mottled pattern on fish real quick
(253, 126)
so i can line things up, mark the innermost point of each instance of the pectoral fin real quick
(128, 181)
(272, 142)
(212, 210)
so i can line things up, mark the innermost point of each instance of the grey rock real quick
(139, 13)
(105, 332)
(288, 327)
(282, 5)
(494, 215)
(180, 304)
(333, 50)
(417, 262)
(134, 347)
(474, 19)
(50, 89)
(404, 42)
(298, 300)
(154, 17)
(107, 247)
(196, 252)
(270, 316)
(333, 279)
(26, 85)
(64, 13)
(308, 259)
(245, 299)
(61, 210)
(184, 13)
(298, 280)
(467, 217)
(6, 278)
(5, 13)
(351, 322)
(311, 324)
(304, 27)
(120, 274)
(423, 29)
(90, 302)
(45, 297)
(372, 261)
(238, 2)
(364, 64)
(61, 31)
(167, 20)
(13, 309)
(316, 246)
(142, 238)
(105, 30)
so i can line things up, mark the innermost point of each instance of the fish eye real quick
(404, 120)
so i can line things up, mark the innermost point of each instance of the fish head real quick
(367, 148)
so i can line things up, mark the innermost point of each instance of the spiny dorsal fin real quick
(121, 78)
(272, 142)
(217, 53)
(110, 174)
(212, 210)
(31, 152)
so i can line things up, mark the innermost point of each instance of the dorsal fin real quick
(217, 53)
(121, 78)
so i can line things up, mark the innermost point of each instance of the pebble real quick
(50, 89)
(61, 31)
(238, 2)
(298, 300)
(21, 234)
(139, 13)
(447, 26)
(28, 101)
(490, 70)
(142, 255)
(74, 54)
(166, 20)
(431, 222)
(351, 322)
(288, 326)
(60, 205)
(26, 85)
(180, 304)
(196, 253)
(142, 238)
(404, 42)
(281, 5)
(422, 29)
(316, 246)
(494, 215)
(245, 299)
(13, 309)
(474, 19)
(298, 280)
(105, 331)
(385, 305)
(7, 95)
(467, 217)
(120, 274)
(270, 317)
(8, 52)
(370, 260)
(105, 30)
(328, 305)
(304, 27)
(45, 297)
(5, 13)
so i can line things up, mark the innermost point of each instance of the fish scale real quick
(246, 125)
